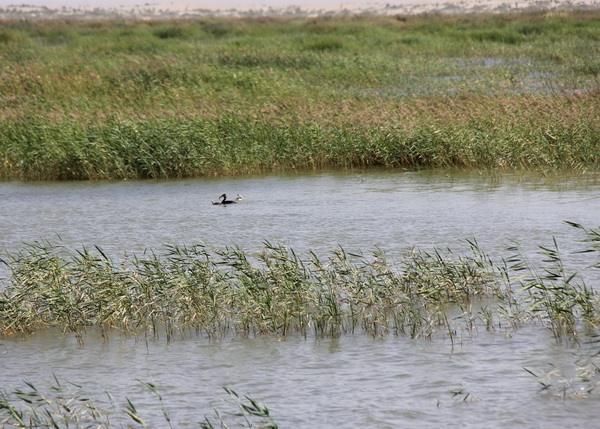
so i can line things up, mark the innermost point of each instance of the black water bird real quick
(225, 201)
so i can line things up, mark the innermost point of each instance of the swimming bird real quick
(225, 201)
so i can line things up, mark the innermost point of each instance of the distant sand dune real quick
(167, 10)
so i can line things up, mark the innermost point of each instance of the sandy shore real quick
(185, 11)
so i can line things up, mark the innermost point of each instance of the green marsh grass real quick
(126, 99)
(216, 293)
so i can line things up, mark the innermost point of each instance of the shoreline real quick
(411, 8)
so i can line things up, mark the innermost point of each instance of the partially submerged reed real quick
(230, 292)
(68, 405)
(577, 379)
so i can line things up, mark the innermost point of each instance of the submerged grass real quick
(67, 405)
(577, 380)
(121, 99)
(229, 292)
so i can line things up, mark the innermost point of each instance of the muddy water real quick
(353, 381)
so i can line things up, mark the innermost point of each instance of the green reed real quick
(555, 294)
(229, 291)
(276, 292)
(176, 148)
(121, 99)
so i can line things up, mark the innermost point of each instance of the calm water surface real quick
(353, 381)
(393, 211)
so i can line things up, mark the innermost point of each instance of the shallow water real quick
(353, 381)
(390, 210)
(347, 382)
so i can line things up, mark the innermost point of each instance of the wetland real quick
(417, 244)
(345, 315)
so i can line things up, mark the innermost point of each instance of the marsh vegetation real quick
(213, 97)
(229, 292)
(125, 99)
(198, 292)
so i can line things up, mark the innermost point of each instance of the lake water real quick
(353, 381)
(390, 210)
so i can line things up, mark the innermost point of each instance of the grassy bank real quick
(228, 292)
(121, 99)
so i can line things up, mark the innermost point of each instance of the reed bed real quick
(126, 99)
(192, 290)
(175, 148)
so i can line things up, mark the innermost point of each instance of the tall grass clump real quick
(189, 289)
(276, 292)
(556, 295)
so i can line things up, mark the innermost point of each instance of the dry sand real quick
(250, 8)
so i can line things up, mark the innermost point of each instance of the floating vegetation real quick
(67, 405)
(276, 292)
